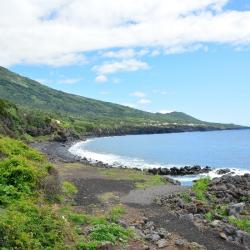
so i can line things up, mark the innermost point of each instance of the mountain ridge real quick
(86, 116)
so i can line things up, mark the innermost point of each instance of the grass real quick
(209, 216)
(186, 197)
(101, 228)
(241, 223)
(142, 180)
(29, 221)
(200, 187)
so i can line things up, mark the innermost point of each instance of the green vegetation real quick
(219, 211)
(208, 216)
(142, 179)
(186, 197)
(241, 223)
(29, 220)
(200, 187)
(43, 111)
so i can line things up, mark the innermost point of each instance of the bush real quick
(18, 177)
(200, 187)
(208, 216)
(69, 189)
(241, 223)
(26, 221)
(79, 219)
(109, 232)
(115, 213)
(28, 226)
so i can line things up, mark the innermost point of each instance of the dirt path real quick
(147, 196)
(96, 187)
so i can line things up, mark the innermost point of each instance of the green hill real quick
(27, 92)
(89, 116)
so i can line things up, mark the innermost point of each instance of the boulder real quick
(162, 243)
(235, 209)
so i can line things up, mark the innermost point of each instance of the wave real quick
(79, 149)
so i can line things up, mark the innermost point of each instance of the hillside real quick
(89, 116)
(27, 92)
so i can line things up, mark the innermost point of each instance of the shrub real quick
(92, 245)
(17, 177)
(208, 216)
(79, 219)
(186, 197)
(241, 223)
(109, 232)
(115, 213)
(28, 226)
(200, 187)
(69, 189)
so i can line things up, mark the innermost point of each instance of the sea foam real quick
(79, 149)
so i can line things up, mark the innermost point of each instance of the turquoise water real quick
(218, 149)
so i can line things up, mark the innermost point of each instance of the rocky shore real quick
(222, 204)
(187, 170)
(221, 209)
(59, 151)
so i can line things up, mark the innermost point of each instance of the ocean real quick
(217, 149)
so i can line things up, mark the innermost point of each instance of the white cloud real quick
(70, 80)
(138, 94)
(144, 101)
(123, 53)
(165, 111)
(126, 53)
(101, 78)
(121, 66)
(58, 32)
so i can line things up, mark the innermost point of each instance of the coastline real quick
(159, 197)
(185, 174)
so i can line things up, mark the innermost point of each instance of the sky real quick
(156, 55)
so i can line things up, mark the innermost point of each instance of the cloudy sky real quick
(155, 55)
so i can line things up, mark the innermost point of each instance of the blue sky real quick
(198, 64)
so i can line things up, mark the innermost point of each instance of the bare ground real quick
(103, 188)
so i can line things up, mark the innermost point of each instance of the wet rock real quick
(187, 170)
(172, 181)
(223, 171)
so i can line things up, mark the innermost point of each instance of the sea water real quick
(217, 149)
